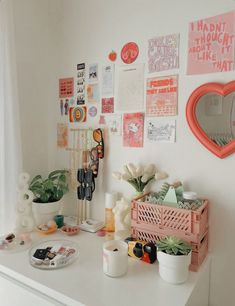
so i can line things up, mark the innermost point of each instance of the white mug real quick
(115, 258)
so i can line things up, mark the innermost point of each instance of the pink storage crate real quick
(199, 250)
(189, 225)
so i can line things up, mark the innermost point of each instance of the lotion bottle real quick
(110, 201)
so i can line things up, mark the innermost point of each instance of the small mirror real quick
(211, 116)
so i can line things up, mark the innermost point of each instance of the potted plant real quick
(48, 194)
(174, 257)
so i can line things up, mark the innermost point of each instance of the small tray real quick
(53, 254)
(47, 232)
(70, 230)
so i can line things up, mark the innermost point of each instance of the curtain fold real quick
(10, 140)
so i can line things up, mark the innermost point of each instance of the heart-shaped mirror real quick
(210, 114)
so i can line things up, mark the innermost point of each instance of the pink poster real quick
(163, 53)
(162, 96)
(211, 44)
(66, 87)
(107, 105)
(133, 130)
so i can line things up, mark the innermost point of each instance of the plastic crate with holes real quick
(150, 222)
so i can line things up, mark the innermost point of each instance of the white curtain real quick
(10, 149)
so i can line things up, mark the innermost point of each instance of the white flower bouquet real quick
(139, 176)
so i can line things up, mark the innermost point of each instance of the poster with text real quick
(114, 123)
(62, 135)
(211, 44)
(93, 93)
(162, 96)
(107, 80)
(160, 130)
(133, 130)
(130, 88)
(107, 105)
(163, 53)
(81, 83)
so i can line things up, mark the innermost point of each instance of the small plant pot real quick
(174, 269)
(44, 212)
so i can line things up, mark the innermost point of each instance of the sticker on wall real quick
(77, 114)
(92, 111)
(81, 83)
(114, 123)
(133, 130)
(107, 80)
(66, 87)
(71, 102)
(130, 88)
(160, 130)
(66, 107)
(162, 96)
(62, 135)
(129, 53)
(107, 105)
(163, 53)
(211, 44)
(112, 56)
(93, 93)
(93, 73)
(61, 107)
(102, 120)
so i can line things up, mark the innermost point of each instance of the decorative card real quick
(62, 135)
(93, 73)
(211, 44)
(114, 123)
(133, 130)
(160, 130)
(162, 96)
(81, 83)
(107, 105)
(163, 53)
(107, 80)
(92, 93)
(66, 87)
(77, 114)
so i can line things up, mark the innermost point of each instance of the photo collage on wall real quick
(141, 102)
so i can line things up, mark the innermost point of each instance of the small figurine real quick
(122, 214)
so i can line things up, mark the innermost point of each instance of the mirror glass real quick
(216, 116)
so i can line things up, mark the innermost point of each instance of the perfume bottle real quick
(110, 201)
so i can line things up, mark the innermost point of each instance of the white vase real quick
(174, 268)
(44, 212)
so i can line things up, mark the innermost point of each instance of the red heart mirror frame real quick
(219, 89)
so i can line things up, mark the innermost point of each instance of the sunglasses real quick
(87, 184)
(98, 137)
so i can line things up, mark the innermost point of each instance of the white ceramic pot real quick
(43, 212)
(174, 269)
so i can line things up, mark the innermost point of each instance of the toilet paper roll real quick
(25, 196)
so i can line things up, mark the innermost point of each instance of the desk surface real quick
(84, 283)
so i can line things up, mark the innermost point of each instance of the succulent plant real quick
(173, 246)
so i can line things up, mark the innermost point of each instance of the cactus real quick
(173, 246)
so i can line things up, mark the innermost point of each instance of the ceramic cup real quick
(59, 220)
(115, 258)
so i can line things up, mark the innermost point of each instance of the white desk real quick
(83, 282)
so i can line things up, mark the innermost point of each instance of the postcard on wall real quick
(163, 53)
(66, 87)
(81, 83)
(211, 44)
(107, 80)
(130, 88)
(62, 135)
(133, 130)
(78, 114)
(160, 130)
(92, 93)
(107, 105)
(162, 96)
(114, 123)
(93, 73)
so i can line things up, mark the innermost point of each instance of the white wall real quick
(87, 31)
